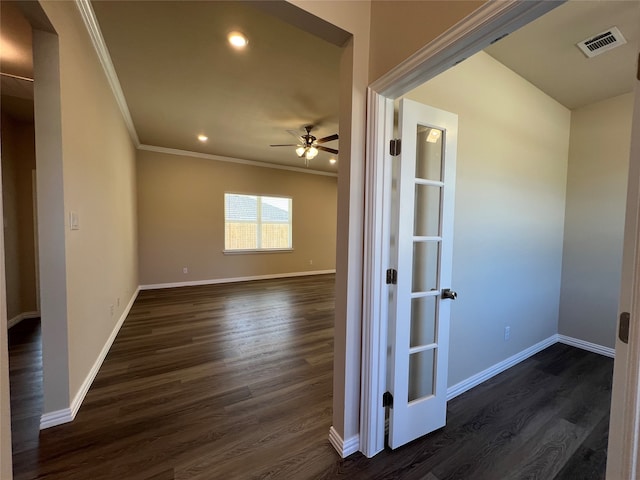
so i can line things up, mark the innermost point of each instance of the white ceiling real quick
(181, 78)
(545, 52)
(15, 59)
(15, 41)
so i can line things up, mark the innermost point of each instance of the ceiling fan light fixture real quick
(309, 146)
(312, 152)
(332, 161)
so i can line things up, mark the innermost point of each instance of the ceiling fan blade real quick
(327, 149)
(297, 135)
(286, 145)
(330, 138)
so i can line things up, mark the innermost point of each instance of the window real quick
(253, 222)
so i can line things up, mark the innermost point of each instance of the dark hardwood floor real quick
(234, 382)
(25, 377)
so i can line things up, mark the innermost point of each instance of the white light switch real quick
(74, 221)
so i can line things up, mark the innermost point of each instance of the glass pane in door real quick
(429, 153)
(423, 321)
(426, 222)
(421, 374)
(425, 266)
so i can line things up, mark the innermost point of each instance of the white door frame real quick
(488, 23)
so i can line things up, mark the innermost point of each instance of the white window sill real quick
(251, 252)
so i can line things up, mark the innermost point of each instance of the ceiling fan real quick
(309, 146)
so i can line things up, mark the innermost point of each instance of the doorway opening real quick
(466, 333)
(19, 189)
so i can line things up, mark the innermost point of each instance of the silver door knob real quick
(448, 293)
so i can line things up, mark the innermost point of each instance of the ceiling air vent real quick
(602, 42)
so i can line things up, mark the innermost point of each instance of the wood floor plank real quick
(545, 455)
(234, 382)
(590, 459)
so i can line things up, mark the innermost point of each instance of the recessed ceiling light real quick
(237, 40)
(332, 161)
(203, 138)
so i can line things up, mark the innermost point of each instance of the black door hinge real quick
(387, 399)
(392, 277)
(395, 146)
(623, 332)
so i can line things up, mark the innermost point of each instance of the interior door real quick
(420, 301)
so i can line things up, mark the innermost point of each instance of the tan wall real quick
(181, 219)
(18, 161)
(513, 145)
(594, 225)
(98, 182)
(353, 17)
(399, 28)
(51, 226)
(5, 399)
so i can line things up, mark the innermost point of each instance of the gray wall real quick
(594, 220)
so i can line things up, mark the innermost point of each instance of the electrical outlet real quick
(310, 262)
(185, 270)
(507, 333)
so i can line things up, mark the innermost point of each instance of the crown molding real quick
(91, 22)
(253, 163)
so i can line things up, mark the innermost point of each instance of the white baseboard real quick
(478, 378)
(584, 345)
(215, 281)
(58, 417)
(20, 317)
(343, 447)
(500, 367)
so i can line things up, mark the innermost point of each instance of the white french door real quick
(422, 242)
